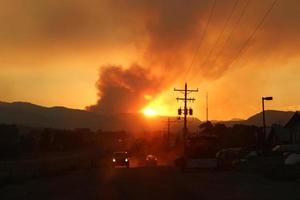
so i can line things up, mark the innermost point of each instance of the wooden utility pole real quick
(168, 134)
(185, 91)
(169, 129)
(206, 107)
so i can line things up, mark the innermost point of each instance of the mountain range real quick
(31, 115)
(27, 114)
(272, 117)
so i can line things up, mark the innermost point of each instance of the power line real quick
(201, 38)
(221, 33)
(231, 33)
(245, 45)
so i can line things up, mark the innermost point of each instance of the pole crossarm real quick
(187, 99)
(183, 90)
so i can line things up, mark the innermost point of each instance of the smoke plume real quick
(175, 30)
(124, 90)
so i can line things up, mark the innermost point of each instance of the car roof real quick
(150, 155)
(121, 152)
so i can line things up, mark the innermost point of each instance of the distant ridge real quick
(28, 114)
(272, 117)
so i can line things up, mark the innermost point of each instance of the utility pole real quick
(168, 129)
(168, 133)
(185, 91)
(207, 107)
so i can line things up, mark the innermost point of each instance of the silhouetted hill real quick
(28, 114)
(272, 117)
(37, 116)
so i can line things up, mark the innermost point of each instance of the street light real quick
(264, 117)
(268, 98)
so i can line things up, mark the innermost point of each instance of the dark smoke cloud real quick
(174, 30)
(123, 90)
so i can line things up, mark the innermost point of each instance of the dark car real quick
(199, 153)
(120, 159)
(151, 160)
(229, 158)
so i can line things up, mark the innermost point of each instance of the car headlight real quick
(126, 160)
(114, 160)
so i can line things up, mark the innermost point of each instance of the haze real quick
(56, 52)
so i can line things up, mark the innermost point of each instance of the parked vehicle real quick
(229, 158)
(293, 159)
(200, 152)
(286, 149)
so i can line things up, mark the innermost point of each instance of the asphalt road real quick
(151, 183)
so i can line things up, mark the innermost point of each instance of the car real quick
(120, 159)
(199, 153)
(293, 159)
(286, 149)
(151, 160)
(229, 158)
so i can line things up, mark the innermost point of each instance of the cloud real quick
(168, 32)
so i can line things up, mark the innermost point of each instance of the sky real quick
(111, 56)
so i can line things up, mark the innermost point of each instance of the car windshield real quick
(121, 154)
(150, 157)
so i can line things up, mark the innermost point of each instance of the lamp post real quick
(264, 118)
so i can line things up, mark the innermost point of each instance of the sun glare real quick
(156, 107)
(149, 112)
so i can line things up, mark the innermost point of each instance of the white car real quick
(292, 159)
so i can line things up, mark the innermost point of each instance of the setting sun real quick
(149, 112)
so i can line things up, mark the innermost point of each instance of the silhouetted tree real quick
(28, 143)
(46, 139)
(9, 141)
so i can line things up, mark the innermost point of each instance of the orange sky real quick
(51, 52)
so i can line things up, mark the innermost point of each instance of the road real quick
(151, 183)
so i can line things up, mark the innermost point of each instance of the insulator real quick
(179, 111)
(190, 111)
